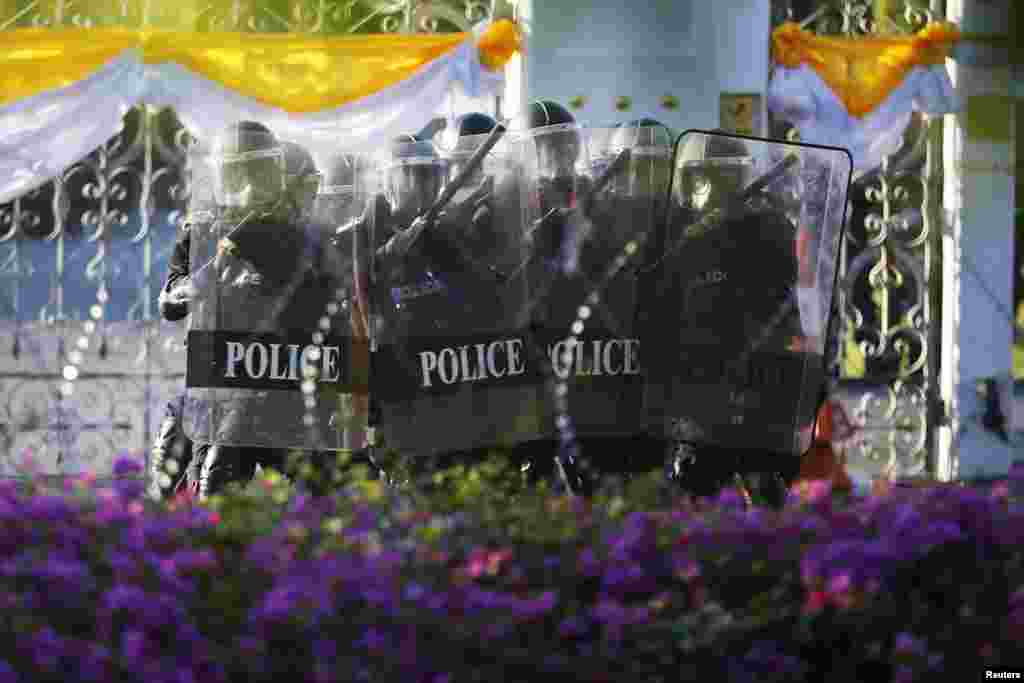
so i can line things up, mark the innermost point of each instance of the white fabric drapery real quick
(42, 135)
(801, 97)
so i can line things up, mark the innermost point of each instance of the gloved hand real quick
(403, 240)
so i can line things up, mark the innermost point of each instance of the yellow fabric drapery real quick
(297, 73)
(862, 71)
(36, 60)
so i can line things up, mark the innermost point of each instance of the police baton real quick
(599, 184)
(617, 165)
(431, 214)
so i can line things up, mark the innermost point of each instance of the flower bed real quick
(484, 582)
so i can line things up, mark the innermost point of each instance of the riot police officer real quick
(432, 281)
(606, 411)
(336, 199)
(267, 278)
(729, 270)
(302, 176)
(172, 454)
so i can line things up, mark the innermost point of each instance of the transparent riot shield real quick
(592, 342)
(274, 352)
(449, 364)
(733, 351)
(555, 180)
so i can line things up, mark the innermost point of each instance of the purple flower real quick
(767, 656)
(127, 466)
(903, 674)
(531, 609)
(7, 674)
(685, 568)
(614, 616)
(130, 598)
(588, 564)
(325, 649)
(573, 627)
(46, 508)
(130, 488)
(194, 560)
(133, 645)
(730, 498)
(907, 645)
(374, 640)
(414, 591)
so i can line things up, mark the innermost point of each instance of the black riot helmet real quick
(713, 170)
(555, 137)
(470, 132)
(414, 175)
(649, 169)
(248, 166)
(302, 178)
(335, 201)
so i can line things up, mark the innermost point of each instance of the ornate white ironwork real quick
(890, 273)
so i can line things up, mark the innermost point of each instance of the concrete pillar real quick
(978, 247)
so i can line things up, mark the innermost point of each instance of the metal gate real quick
(886, 357)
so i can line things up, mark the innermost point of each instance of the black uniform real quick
(723, 384)
(440, 291)
(273, 276)
(289, 261)
(171, 444)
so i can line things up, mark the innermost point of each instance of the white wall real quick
(693, 49)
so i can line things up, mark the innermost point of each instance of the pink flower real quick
(840, 591)
(488, 562)
(811, 492)
(686, 569)
(1000, 490)
(815, 602)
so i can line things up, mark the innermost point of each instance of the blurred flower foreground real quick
(471, 577)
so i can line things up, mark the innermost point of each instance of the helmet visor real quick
(712, 183)
(647, 173)
(250, 179)
(553, 152)
(415, 184)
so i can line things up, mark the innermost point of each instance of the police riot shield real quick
(733, 353)
(449, 367)
(591, 312)
(555, 176)
(337, 202)
(274, 354)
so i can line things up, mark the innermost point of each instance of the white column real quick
(978, 246)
